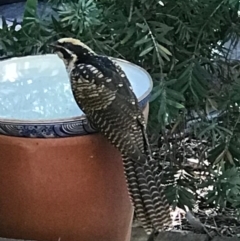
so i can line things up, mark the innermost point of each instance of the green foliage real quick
(166, 101)
(79, 15)
(30, 39)
(180, 187)
(224, 188)
(174, 41)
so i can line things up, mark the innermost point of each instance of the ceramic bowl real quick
(36, 98)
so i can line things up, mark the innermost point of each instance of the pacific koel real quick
(103, 92)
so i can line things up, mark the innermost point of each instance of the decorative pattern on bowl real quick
(65, 128)
(36, 99)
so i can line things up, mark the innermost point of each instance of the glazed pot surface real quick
(63, 189)
(67, 188)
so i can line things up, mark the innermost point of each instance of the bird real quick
(104, 93)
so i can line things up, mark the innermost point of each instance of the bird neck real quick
(84, 58)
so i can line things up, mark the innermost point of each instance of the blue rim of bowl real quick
(63, 127)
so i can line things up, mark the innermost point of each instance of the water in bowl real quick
(38, 88)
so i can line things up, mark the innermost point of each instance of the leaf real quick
(176, 95)
(142, 26)
(156, 93)
(89, 2)
(209, 128)
(164, 40)
(164, 56)
(185, 73)
(217, 150)
(146, 51)
(129, 35)
(170, 82)
(198, 87)
(210, 105)
(220, 157)
(195, 96)
(229, 157)
(162, 113)
(67, 18)
(30, 12)
(225, 130)
(143, 40)
(165, 50)
(175, 104)
(163, 26)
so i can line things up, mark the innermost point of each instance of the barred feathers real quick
(151, 207)
(122, 122)
(101, 89)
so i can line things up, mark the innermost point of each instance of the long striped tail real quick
(148, 198)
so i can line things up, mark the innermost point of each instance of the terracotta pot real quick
(63, 189)
(62, 181)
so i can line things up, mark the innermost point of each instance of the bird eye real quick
(67, 45)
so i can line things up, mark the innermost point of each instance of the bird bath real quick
(59, 178)
(36, 98)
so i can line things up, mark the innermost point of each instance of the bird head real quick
(71, 51)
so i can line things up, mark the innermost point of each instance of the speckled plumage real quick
(103, 92)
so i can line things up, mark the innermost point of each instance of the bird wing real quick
(141, 118)
(110, 104)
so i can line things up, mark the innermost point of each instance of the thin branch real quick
(155, 46)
